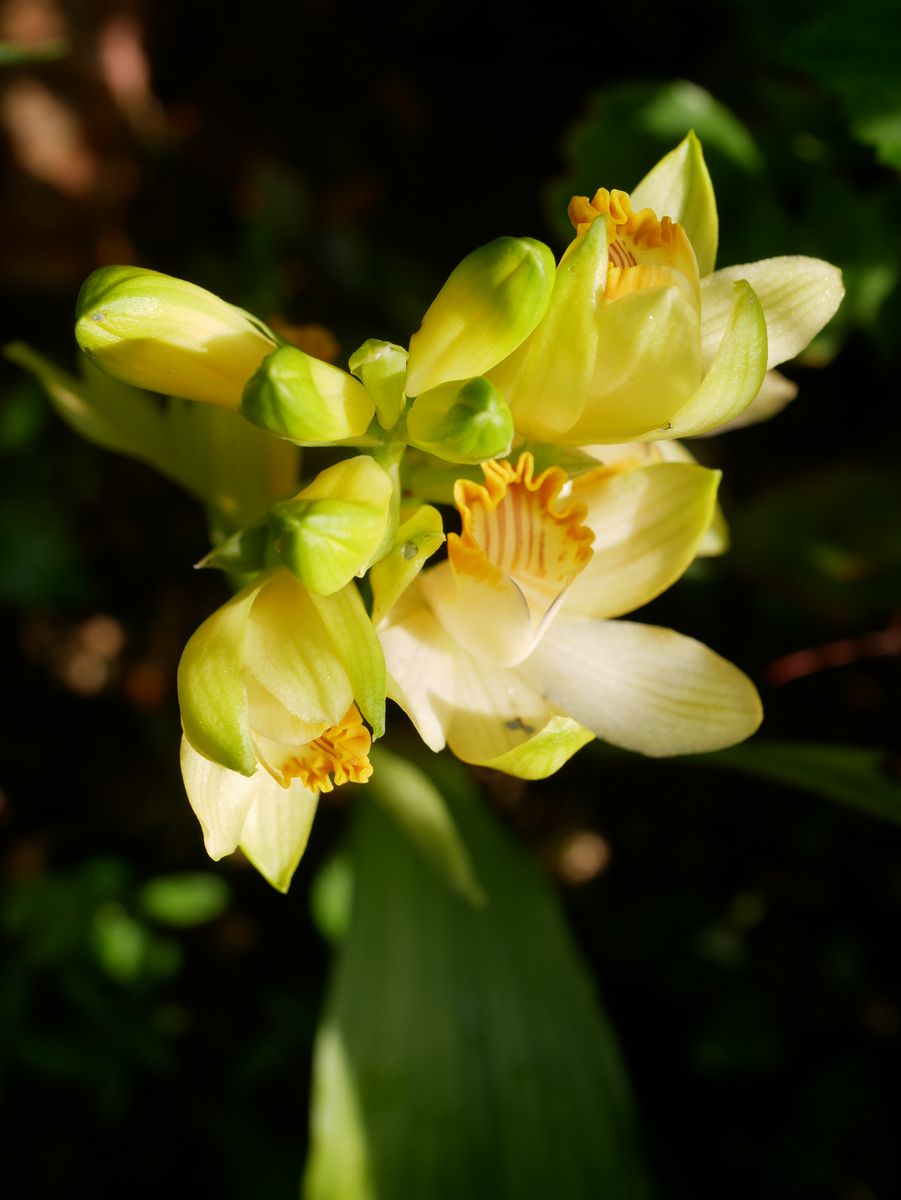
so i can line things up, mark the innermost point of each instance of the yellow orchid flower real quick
(642, 338)
(273, 689)
(508, 652)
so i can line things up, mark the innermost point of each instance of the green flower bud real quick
(306, 401)
(334, 528)
(461, 422)
(382, 367)
(489, 305)
(168, 336)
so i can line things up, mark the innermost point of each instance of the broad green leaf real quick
(626, 127)
(101, 410)
(463, 1052)
(236, 469)
(239, 470)
(331, 896)
(418, 807)
(854, 775)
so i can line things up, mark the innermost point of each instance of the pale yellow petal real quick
(350, 632)
(419, 659)
(290, 653)
(277, 828)
(212, 691)
(648, 524)
(647, 367)
(488, 615)
(736, 372)
(642, 687)
(494, 711)
(543, 753)
(775, 393)
(679, 186)
(799, 296)
(221, 799)
(418, 536)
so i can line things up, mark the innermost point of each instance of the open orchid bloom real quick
(642, 338)
(508, 652)
(271, 688)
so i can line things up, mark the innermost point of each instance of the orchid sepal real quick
(735, 375)
(679, 186)
(212, 690)
(416, 539)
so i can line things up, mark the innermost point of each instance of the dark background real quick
(330, 165)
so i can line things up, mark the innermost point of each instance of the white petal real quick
(799, 295)
(642, 687)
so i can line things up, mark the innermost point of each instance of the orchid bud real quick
(461, 423)
(489, 305)
(335, 527)
(169, 336)
(306, 401)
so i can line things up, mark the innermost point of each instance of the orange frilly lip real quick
(644, 250)
(515, 528)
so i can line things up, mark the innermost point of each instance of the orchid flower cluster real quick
(540, 401)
